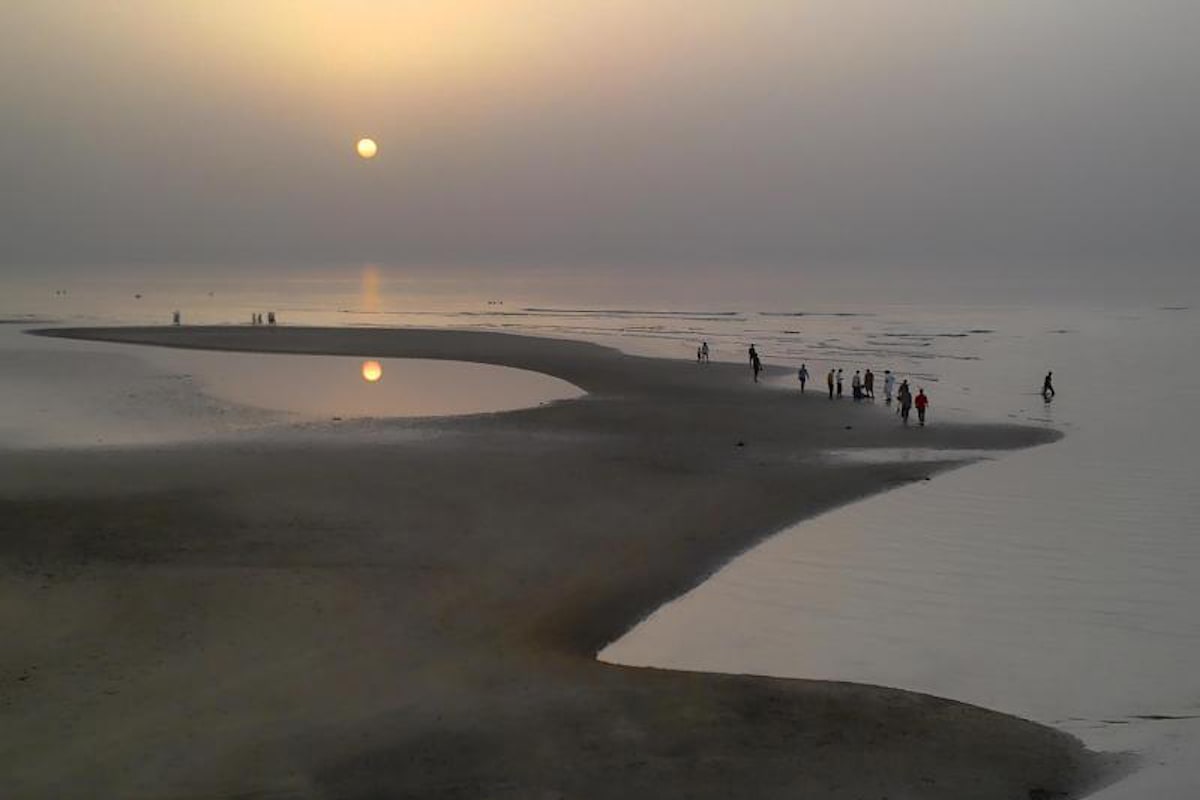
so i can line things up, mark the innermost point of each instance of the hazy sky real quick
(1022, 134)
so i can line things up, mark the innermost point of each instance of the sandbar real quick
(350, 617)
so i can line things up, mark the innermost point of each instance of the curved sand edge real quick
(421, 618)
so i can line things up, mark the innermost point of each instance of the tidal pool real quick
(64, 393)
(341, 386)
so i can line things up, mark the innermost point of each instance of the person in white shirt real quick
(889, 385)
(856, 385)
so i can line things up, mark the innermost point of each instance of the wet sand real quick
(413, 609)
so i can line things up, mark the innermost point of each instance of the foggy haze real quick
(968, 136)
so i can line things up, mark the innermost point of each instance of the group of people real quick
(862, 385)
(257, 318)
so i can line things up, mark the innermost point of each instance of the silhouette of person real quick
(905, 397)
(1048, 387)
(869, 384)
(802, 374)
(704, 351)
(889, 385)
(755, 363)
(829, 380)
(839, 382)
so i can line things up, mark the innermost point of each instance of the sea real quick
(1060, 583)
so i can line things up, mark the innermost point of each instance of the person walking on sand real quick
(802, 374)
(1048, 387)
(839, 382)
(869, 384)
(856, 386)
(889, 385)
(704, 351)
(922, 403)
(699, 356)
(829, 380)
(755, 364)
(905, 398)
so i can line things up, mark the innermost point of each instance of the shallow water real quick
(320, 387)
(62, 393)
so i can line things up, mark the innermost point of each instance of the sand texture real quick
(412, 609)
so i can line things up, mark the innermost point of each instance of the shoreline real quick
(476, 577)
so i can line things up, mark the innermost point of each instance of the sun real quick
(366, 148)
(372, 371)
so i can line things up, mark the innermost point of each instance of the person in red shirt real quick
(922, 403)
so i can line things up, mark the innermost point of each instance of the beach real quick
(412, 608)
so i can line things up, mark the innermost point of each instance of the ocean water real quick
(1060, 583)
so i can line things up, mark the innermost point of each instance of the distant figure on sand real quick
(829, 380)
(175, 317)
(922, 403)
(704, 352)
(839, 383)
(699, 356)
(802, 374)
(889, 386)
(1048, 387)
(755, 363)
(856, 386)
(270, 317)
(905, 397)
(869, 384)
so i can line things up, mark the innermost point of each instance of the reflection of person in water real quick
(1048, 387)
